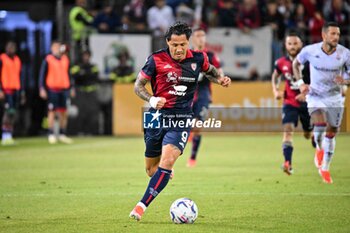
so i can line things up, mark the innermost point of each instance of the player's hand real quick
(2, 95)
(23, 98)
(72, 93)
(157, 102)
(278, 94)
(304, 89)
(301, 97)
(43, 94)
(224, 81)
(339, 80)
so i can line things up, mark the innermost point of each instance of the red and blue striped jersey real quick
(283, 66)
(176, 81)
(204, 85)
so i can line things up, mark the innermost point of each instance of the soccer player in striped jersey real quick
(202, 96)
(173, 74)
(294, 105)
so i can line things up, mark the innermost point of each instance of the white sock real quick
(329, 146)
(319, 133)
(6, 135)
(142, 205)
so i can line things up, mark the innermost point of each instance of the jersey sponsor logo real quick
(292, 81)
(187, 79)
(285, 68)
(167, 66)
(326, 69)
(194, 66)
(172, 77)
(179, 90)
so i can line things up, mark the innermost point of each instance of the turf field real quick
(92, 185)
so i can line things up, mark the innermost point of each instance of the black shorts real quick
(292, 115)
(57, 100)
(12, 100)
(157, 137)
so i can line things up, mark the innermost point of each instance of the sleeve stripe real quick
(145, 75)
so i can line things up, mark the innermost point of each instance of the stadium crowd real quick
(308, 16)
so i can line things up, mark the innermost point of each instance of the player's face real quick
(10, 48)
(56, 49)
(331, 36)
(199, 39)
(293, 45)
(178, 45)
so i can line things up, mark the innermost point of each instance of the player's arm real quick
(213, 74)
(42, 79)
(142, 92)
(1, 92)
(304, 88)
(275, 82)
(344, 77)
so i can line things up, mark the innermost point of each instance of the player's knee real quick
(331, 134)
(307, 134)
(149, 172)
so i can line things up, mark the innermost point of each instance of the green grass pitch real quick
(92, 185)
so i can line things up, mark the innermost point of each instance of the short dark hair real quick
(293, 32)
(56, 42)
(326, 25)
(179, 28)
(198, 29)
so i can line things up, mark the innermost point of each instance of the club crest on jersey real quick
(194, 66)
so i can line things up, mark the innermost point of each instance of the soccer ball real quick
(183, 210)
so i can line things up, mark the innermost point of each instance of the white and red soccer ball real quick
(183, 211)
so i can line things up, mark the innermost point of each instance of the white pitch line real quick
(170, 194)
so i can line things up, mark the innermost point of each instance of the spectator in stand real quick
(107, 21)
(80, 20)
(135, 16)
(315, 26)
(160, 17)
(226, 12)
(185, 13)
(248, 16)
(124, 72)
(337, 13)
(311, 6)
(298, 19)
(275, 20)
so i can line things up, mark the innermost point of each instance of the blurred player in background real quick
(168, 70)
(202, 96)
(10, 86)
(55, 86)
(294, 105)
(324, 94)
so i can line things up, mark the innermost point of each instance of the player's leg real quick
(8, 119)
(334, 117)
(289, 121)
(153, 141)
(200, 110)
(172, 147)
(52, 104)
(63, 117)
(319, 120)
(306, 124)
(151, 164)
(51, 115)
(196, 140)
(287, 147)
